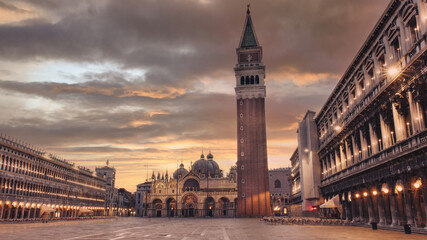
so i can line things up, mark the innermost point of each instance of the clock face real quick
(250, 57)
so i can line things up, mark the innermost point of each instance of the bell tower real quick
(252, 167)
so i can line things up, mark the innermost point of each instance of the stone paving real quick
(188, 229)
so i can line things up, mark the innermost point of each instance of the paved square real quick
(188, 229)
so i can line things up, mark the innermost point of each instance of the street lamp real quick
(417, 184)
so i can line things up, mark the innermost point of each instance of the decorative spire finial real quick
(248, 11)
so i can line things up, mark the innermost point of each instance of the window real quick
(247, 80)
(256, 79)
(277, 184)
(252, 80)
(242, 80)
(413, 29)
(396, 48)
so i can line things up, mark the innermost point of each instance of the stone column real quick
(29, 212)
(348, 210)
(337, 160)
(393, 204)
(381, 210)
(9, 212)
(343, 210)
(424, 188)
(417, 208)
(374, 140)
(343, 157)
(353, 207)
(23, 211)
(355, 150)
(2, 210)
(399, 124)
(16, 212)
(361, 212)
(371, 214)
(363, 145)
(417, 120)
(408, 202)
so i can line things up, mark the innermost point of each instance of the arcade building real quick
(36, 184)
(366, 148)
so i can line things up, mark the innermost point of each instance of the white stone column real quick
(417, 120)
(343, 157)
(399, 125)
(363, 145)
(355, 150)
(348, 155)
(374, 140)
(385, 134)
(337, 160)
(333, 168)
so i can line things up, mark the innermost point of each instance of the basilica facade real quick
(200, 191)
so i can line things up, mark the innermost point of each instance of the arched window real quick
(191, 185)
(277, 184)
(242, 80)
(252, 80)
(247, 80)
(256, 79)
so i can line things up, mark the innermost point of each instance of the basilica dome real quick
(202, 166)
(181, 171)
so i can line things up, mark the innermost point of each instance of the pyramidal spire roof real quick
(248, 37)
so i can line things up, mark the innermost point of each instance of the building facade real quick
(250, 90)
(34, 183)
(280, 190)
(111, 192)
(141, 198)
(371, 135)
(198, 192)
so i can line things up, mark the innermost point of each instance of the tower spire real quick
(248, 38)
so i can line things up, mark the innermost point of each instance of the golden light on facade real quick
(14, 204)
(33, 205)
(399, 188)
(365, 194)
(276, 208)
(38, 205)
(357, 195)
(27, 205)
(337, 128)
(392, 71)
(374, 193)
(7, 202)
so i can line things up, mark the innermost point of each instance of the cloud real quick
(163, 85)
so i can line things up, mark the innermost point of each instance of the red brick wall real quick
(252, 167)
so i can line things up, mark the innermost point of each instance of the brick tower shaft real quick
(252, 164)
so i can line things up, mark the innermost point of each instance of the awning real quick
(332, 203)
(84, 210)
(47, 209)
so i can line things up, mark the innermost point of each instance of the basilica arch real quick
(189, 205)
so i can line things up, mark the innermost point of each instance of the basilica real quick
(200, 191)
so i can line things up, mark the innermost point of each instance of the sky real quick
(149, 83)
